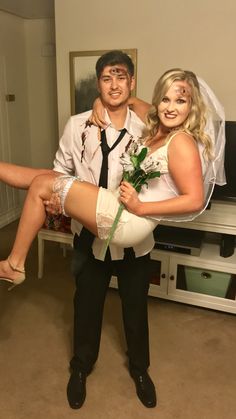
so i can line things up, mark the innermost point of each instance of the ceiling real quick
(29, 9)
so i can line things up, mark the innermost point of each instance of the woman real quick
(188, 158)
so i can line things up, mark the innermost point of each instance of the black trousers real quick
(92, 281)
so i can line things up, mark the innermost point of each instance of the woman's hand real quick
(129, 197)
(98, 114)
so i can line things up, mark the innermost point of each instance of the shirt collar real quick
(133, 124)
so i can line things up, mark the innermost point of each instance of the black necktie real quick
(105, 152)
(86, 238)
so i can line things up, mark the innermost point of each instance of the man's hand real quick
(53, 206)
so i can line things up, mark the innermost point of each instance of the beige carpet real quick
(193, 353)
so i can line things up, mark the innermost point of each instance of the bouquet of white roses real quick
(138, 168)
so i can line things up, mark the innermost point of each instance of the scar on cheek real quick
(118, 71)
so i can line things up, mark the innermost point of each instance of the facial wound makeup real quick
(118, 71)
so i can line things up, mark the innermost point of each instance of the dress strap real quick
(175, 133)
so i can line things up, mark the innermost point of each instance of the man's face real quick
(115, 85)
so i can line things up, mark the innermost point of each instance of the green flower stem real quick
(112, 231)
(116, 220)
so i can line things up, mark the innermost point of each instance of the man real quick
(80, 153)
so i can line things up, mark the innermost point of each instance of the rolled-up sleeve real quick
(64, 159)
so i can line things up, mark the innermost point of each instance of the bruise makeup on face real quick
(118, 71)
(183, 91)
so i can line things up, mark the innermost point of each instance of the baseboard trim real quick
(10, 216)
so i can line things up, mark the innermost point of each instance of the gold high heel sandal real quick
(16, 281)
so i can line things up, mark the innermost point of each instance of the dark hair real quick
(113, 58)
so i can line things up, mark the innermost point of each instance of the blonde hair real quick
(195, 122)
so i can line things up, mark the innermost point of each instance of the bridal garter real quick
(61, 187)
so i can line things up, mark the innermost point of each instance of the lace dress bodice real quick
(164, 187)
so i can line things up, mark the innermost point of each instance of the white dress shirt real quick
(80, 154)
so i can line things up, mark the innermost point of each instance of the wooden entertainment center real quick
(167, 266)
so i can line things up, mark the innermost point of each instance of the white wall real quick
(42, 96)
(15, 140)
(196, 35)
(12, 49)
(27, 70)
(28, 48)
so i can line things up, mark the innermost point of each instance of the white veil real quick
(215, 128)
(213, 170)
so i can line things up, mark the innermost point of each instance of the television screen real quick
(228, 192)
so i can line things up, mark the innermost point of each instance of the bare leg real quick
(80, 204)
(19, 176)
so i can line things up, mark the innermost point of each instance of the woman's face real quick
(175, 106)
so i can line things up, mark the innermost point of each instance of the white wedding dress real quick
(132, 229)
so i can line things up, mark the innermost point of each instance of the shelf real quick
(209, 258)
(220, 218)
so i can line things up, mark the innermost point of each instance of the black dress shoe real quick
(76, 389)
(145, 389)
